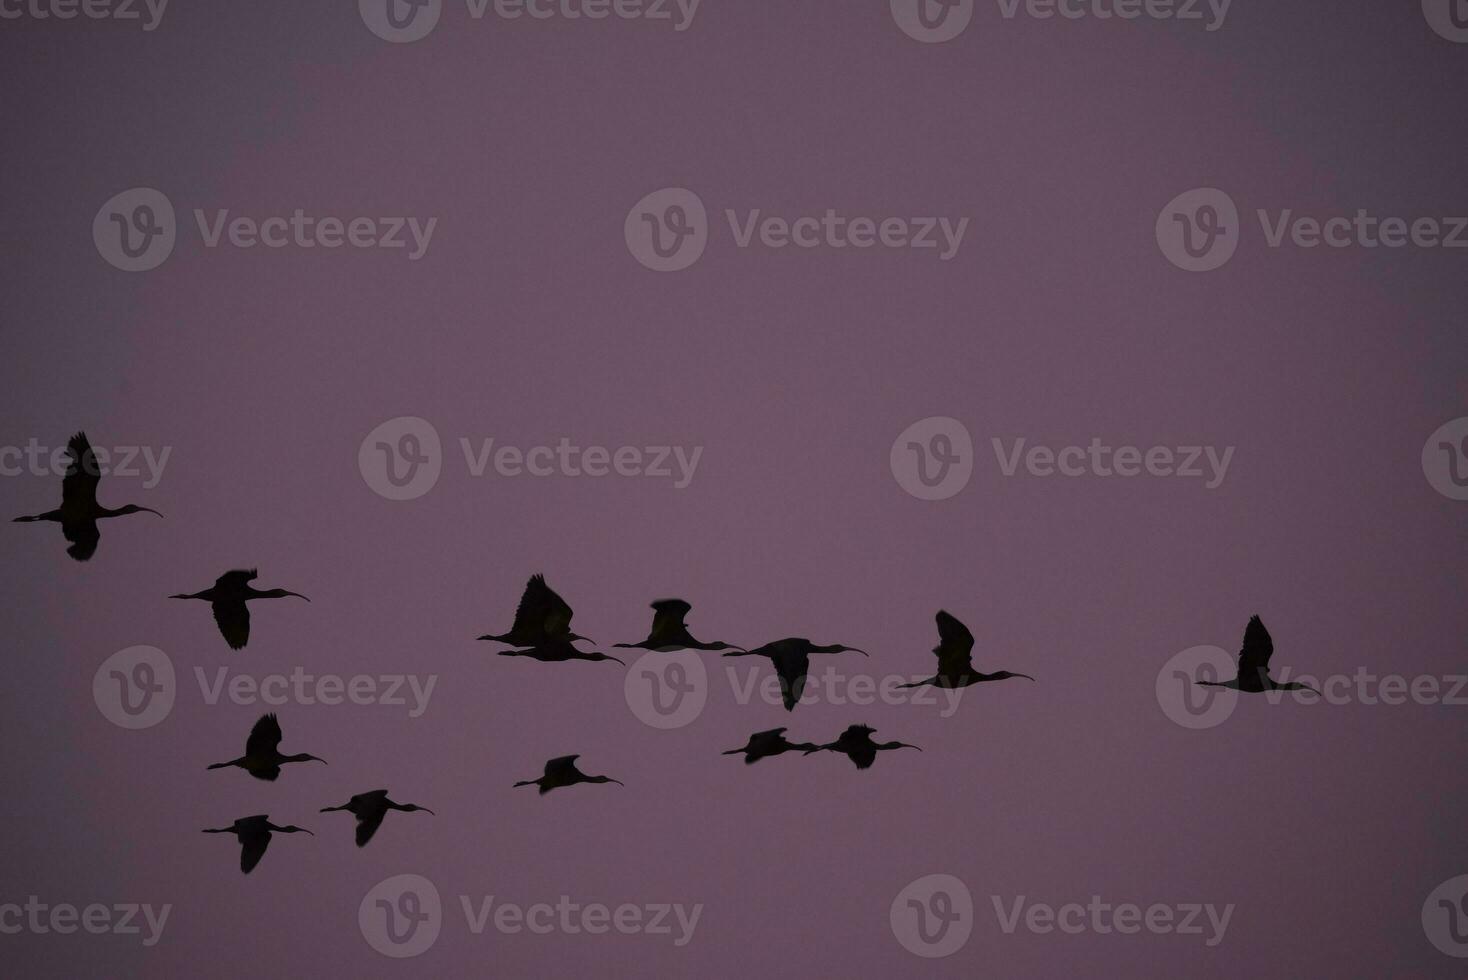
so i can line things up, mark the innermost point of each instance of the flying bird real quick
(228, 597)
(79, 511)
(1253, 672)
(262, 758)
(669, 632)
(562, 771)
(763, 745)
(541, 617)
(370, 808)
(791, 658)
(254, 834)
(857, 745)
(955, 658)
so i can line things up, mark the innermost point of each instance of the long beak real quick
(331, 809)
(617, 659)
(855, 650)
(149, 510)
(316, 758)
(1025, 676)
(295, 594)
(904, 745)
(617, 781)
(428, 811)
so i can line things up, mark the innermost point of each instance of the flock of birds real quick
(542, 631)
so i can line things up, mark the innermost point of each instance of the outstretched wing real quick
(541, 613)
(252, 849)
(955, 645)
(667, 621)
(367, 824)
(79, 485)
(791, 668)
(237, 579)
(83, 536)
(1257, 649)
(264, 737)
(561, 765)
(234, 623)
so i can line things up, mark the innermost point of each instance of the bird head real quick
(1005, 675)
(838, 648)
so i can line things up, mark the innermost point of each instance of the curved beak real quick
(428, 811)
(332, 809)
(149, 510)
(855, 650)
(294, 594)
(618, 659)
(316, 758)
(1025, 676)
(617, 781)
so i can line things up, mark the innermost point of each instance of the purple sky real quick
(1059, 320)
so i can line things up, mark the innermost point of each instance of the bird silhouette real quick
(955, 658)
(254, 835)
(791, 658)
(228, 597)
(562, 771)
(669, 632)
(262, 758)
(370, 808)
(79, 511)
(857, 745)
(542, 616)
(763, 745)
(1253, 672)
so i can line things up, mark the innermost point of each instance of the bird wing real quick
(862, 755)
(541, 611)
(367, 824)
(79, 485)
(237, 579)
(561, 765)
(791, 668)
(667, 620)
(264, 737)
(234, 623)
(1257, 649)
(83, 536)
(955, 645)
(252, 848)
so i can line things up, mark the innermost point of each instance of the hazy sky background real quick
(528, 321)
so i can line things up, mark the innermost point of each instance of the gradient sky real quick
(528, 321)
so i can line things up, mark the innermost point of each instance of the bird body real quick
(227, 598)
(561, 771)
(955, 658)
(254, 835)
(669, 632)
(262, 758)
(791, 657)
(541, 616)
(857, 745)
(79, 511)
(369, 809)
(764, 745)
(1253, 670)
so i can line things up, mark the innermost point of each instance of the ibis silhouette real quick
(541, 616)
(669, 632)
(857, 745)
(254, 834)
(262, 758)
(79, 511)
(955, 658)
(791, 657)
(562, 771)
(763, 745)
(1253, 671)
(370, 808)
(228, 596)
